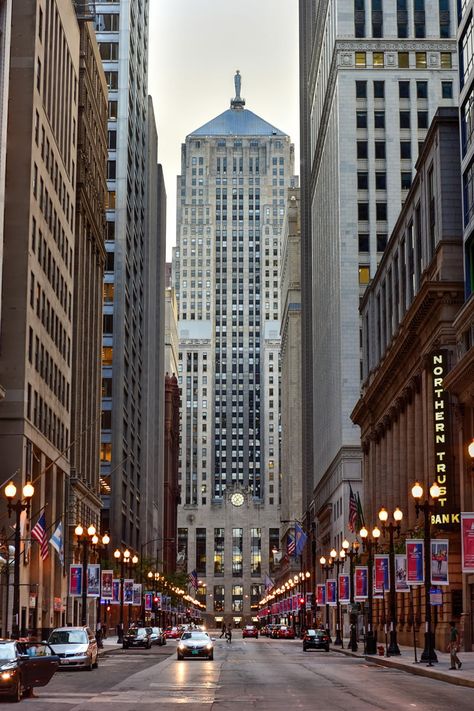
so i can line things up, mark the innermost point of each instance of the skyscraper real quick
(236, 170)
(372, 77)
(130, 391)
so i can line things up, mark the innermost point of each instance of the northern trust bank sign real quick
(447, 513)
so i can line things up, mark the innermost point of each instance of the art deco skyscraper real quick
(372, 76)
(231, 205)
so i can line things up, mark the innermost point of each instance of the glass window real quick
(379, 119)
(274, 544)
(404, 119)
(237, 552)
(362, 211)
(380, 150)
(360, 60)
(403, 60)
(219, 551)
(421, 89)
(447, 89)
(381, 241)
(381, 211)
(379, 90)
(182, 553)
(405, 180)
(422, 119)
(380, 180)
(362, 180)
(237, 598)
(361, 119)
(377, 60)
(404, 89)
(361, 89)
(364, 242)
(419, 18)
(362, 150)
(219, 598)
(446, 60)
(402, 18)
(256, 551)
(405, 149)
(359, 18)
(364, 274)
(444, 19)
(420, 59)
(377, 18)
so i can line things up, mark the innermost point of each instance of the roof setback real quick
(237, 122)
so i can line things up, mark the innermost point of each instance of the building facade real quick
(38, 268)
(84, 501)
(236, 170)
(406, 416)
(129, 389)
(5, 36)
(365, 69)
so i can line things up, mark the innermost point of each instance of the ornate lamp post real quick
(392, 528)
(339, 561)
(427, 509)
(327, 565)
(370, 544)
(352, 551)
(84, 539)
(99, 545)
(21, 504)
(123, 558)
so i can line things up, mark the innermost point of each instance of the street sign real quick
(436, 596)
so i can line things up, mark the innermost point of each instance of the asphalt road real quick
(248, 674)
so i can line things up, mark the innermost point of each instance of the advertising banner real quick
(381, 573)
(309, 601)
(331, 598)
(75, 580)
(344, 588)
(401, 584)
(439, 561)
(107, 577)
(320, 595)
(115, 591)
(148, 601)
(128, 591)
(415, 556)
(361, 582)
(93, 580)
(467, 542)
(137, 594)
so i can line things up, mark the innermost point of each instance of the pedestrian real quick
(454, 647)
(223, 633)
(229, 634)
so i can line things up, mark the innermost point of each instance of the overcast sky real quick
(195, 48)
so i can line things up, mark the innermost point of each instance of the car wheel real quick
(16, 696)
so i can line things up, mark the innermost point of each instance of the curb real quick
(416, 670)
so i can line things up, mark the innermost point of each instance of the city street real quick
(265, 674)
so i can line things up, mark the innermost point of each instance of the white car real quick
(75, 647)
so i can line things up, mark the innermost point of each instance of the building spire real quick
(238, 102)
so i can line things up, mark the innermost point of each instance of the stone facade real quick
(407, 326)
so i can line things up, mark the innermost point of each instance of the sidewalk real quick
(406, 662)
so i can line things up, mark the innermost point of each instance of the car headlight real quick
(208, 646)
(181, 646)
(9, 668)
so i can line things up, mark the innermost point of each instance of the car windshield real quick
(68, 637)
(137, 631)
(7, 651)
(195, 635)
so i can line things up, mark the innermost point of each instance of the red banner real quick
(467, 540)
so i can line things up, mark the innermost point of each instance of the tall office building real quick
(236, 170)
(372, 76)
(130, 391)
(37, 322)
(5, 36)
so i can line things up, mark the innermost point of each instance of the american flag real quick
(193, 579)
(39, 533)
(353, 511)
(291, 545)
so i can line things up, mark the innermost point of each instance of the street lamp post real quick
(84, 538)
(370, 544)
(21, 504)
(327, 565)
(427, 509)
(122, 558)
(352, 551)
(392, 528)
(339, 561)
(99, 546)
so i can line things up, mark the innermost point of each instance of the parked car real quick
(267, 630)
(285, 632)
(315, 639)
(274, 631)
(157, 635)
(137, 637)
(172, 633)
(24, 665)
(195, 643)
(250, 631)
(75, 647)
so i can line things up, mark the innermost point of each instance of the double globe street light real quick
(125, 558)
(23, 503)
(87, 538)
(370, 544)
(339, 561)
(427, 508)
(393, 528)
(352, 552)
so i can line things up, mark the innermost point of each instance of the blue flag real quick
(300, 538)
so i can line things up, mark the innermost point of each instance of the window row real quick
(409, 15)
(48, 369)
(405, 60)
(49, 318)
(379, 119)
(379, 150)
(44, 418)
(381, 180)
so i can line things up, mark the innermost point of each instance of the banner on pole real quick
(93, 580)
(344, 588)
(361, 582)
(467, 542)
(320, 595)
(128, 591)
(106, 584)
(148, 601)
(439, 561)
(137, 594)
(331, 598)
(382, 573)
(75, 580)
(415, 557)
(401, 584)
(115, 591)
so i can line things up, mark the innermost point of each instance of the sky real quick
(195, 48)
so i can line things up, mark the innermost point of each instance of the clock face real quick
(237, 499)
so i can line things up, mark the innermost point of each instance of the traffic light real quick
(301, 601)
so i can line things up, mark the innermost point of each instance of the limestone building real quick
(236, 170)
(372, 77)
